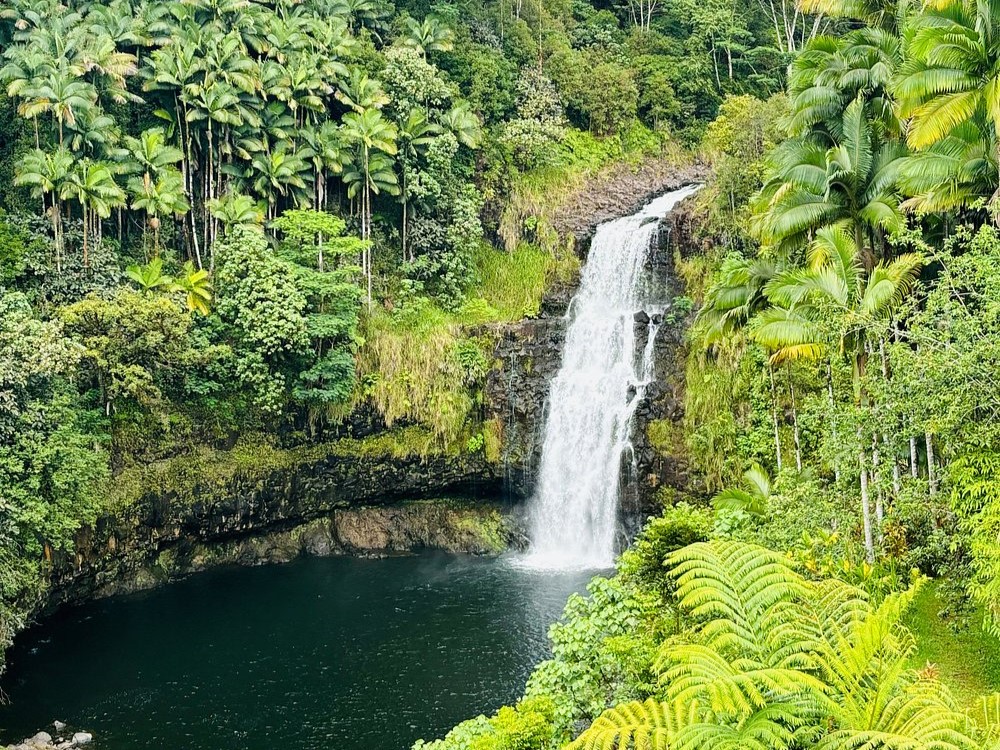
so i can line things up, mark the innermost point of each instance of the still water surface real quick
(337, 653)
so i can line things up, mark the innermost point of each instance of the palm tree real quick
(95, 133)
(102, 60)
(429, 35)
(879, 14)
(196, 286)
(163, 197)
(371, 172)
(813, 185)
(730, 304)
(955, 172)
(46, 174)
(416, 134)
(951, 82)
(93, 186)
(152, 153)
(834, 301)
(216, 103)
(735, 297)
(362, 13)
(462, 122)
(235, 209)
(751, 498)
(282, 172)
(831, 72)
(328, 156)
(61, 94)
(149, 277)
(361, 93)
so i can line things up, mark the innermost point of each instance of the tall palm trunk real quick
(774, 418)
(858, 370)
(879, 500)
(795, 424)
(931, 472)
(829, 393)
(86, 257)
(55, 230)
(897, 480)
(866, 509)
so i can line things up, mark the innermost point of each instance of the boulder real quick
(82, 738)
(59, 725)
(42, 738)
(641, 317)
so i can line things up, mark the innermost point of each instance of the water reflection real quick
(340, 652)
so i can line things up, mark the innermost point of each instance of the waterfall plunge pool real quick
(336, 652)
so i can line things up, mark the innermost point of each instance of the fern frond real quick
(647, 725)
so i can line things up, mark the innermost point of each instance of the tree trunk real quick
(914, 468)
(86, 257)
(55, 231)
(897, 480)
(774, 417)
(866, 512)
(879, 502)
(931, 473)
(829, 393)
(795, 425)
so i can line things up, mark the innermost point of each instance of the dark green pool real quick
(334, 653)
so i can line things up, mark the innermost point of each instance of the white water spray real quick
(574, 512)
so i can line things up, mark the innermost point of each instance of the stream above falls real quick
(337, 652)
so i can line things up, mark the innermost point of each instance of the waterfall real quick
(574, 511)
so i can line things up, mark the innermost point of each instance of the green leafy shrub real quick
(602, 651)
(679, 526)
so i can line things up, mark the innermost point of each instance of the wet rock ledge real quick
(265, 504)
(63, 740)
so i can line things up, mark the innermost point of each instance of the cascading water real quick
(574, 512)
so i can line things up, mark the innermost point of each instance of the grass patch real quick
(511, 285)
(409, 369)
(966, 658)
(420, 363)
(666, 437)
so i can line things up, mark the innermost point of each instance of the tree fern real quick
(775, 662)
(734, 588)
(647, 725)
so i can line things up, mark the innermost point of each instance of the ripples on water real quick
(339, 653)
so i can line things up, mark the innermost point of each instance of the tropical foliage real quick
(745, 651)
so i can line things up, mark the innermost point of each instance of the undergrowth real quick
(536, 196)
(955, 649)
(423, 364)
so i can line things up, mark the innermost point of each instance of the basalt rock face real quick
(622, 191)
(527, 356)
(334, 504)
(662, 405)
